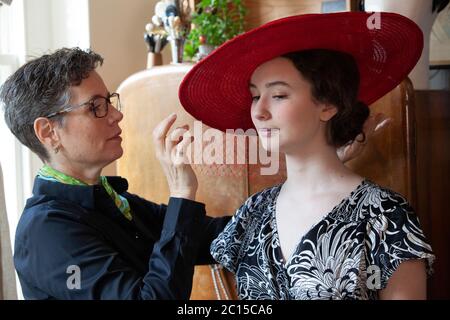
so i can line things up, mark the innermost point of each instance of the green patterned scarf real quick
(48, 173)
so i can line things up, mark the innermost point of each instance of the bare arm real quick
(409, 282)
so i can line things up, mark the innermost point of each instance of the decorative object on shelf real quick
(174, 17)
(155, 37)
(214, 22)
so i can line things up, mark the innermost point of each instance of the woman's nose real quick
(260, 111)
(115, 115)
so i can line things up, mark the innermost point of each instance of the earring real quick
(56, 150)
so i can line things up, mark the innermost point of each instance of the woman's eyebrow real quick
(98, 95)
(272, 84)
(277, 83)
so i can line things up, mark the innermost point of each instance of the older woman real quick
(82, 235)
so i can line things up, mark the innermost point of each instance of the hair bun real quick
(348, 125)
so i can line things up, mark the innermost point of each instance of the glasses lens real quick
(100, 107)
(115, 102)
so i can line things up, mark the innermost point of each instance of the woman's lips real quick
(267, 132)
(117, 137)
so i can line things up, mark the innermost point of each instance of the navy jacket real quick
(73, 243)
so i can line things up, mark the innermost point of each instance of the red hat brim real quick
(216, 90)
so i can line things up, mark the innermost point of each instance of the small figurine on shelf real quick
(155, 37)
(175, 17)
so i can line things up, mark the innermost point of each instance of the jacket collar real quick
(82, 195)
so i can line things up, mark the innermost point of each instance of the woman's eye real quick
(279, 97)
(255, 98)
(96, 105)
(93, 107)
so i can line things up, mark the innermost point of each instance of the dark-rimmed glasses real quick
(98, 105)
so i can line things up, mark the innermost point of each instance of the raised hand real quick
(171, 153)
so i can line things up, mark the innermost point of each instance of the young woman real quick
(305, 83)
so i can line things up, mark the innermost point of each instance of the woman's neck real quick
(89, 176)
(315, 170)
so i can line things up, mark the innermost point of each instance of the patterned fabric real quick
(48, 173)
(350, 254)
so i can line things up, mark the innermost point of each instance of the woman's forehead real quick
(275, 72)
(90, 87)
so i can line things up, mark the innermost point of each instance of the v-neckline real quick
(285, 262)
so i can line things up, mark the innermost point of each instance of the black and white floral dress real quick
(350, 254)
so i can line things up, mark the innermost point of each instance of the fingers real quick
(171, 147)
(177, 143)
(176, 136)
(160, 133)
(182, 150)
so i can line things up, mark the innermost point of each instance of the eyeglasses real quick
(98, 105)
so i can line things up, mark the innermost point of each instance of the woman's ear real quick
(327, 112)
(44, 130)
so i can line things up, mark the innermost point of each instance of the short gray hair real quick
(41, 87)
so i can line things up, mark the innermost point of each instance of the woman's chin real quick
(116, 153)
(119, 153)
(272, 145)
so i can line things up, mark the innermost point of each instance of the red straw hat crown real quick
(386, 47)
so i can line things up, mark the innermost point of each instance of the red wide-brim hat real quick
(386, 47)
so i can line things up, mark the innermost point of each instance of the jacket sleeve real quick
(59, 256)
(212, 227)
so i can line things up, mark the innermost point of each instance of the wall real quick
(52, 24)
(117, 33)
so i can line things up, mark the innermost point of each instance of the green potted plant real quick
(213, 23)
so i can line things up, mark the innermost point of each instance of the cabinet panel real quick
(433, 182)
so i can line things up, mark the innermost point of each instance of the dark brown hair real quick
(334, 78)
